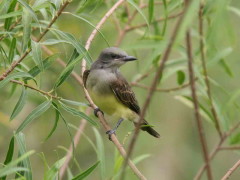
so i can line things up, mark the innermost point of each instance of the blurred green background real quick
(177, 154)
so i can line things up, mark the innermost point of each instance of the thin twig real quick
(131, 28)
(213, 110)
(196, 106)
(231, 170)
(215, 150)
(11, 28)
(100, 115)
(76, 140)
(160, 89)
(16, 63)
(153, 86)
(35, 89)
(230, 148)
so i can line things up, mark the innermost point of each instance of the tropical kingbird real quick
(110, 91)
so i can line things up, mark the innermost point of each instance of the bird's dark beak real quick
(129, 58)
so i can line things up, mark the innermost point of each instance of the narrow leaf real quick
(37, 55)
(9, 156)
(22, 150)
(20, 104)
(8, 21)
(150, 10)
(54, 126)
(86, 173)
(53, 171)
(13, 76)
(76, 112)
(34, 114)
(26, 21)
(180, 77)
(12, 50)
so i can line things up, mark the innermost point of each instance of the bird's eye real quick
(114, 56)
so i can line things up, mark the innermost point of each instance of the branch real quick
(154, 85)
(16, 63)
(35, 89)
(158, 20)
(159, 89)
(213, 110)
(231, 170)
(196, 106)
(216, 149)
(100, 115)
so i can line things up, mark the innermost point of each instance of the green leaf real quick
(91, 24)
(234, 10)
(12, 50)
(150, 10)
(180, 77)
(76, 112)
(235, 139)
(53, 42)
(225, 66)
(66, 72)
(10, 168)
(34, 114)
(86, 173)
(13, 76)
(27, 22)
(20, 104)
(20, 138)
(139, 10)
(9, 156)
(8, 21)
(55, 124)
(75, 103)
(29, 9)
(219, 56)
(37, 55)
(100, 153)
(75, 43)
(53, 171)
(46, 64)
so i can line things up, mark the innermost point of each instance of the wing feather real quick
(124, 94)
(85, 76)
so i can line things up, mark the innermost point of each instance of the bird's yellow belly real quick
(111, 106)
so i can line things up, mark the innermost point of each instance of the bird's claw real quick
(96, 112)
(110, 132)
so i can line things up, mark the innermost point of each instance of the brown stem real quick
(16, 63)
(153, 87)
(231, 170)
(213, 110)
(230, 148)
(215, 150)
(35, 89)
(100, 115)
(159, 89)
(196, 106)
(131, 28)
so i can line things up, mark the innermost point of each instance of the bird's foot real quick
(96, 112)
(110, 132)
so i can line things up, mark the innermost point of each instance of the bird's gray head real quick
(112, 58)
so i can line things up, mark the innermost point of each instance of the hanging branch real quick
(153, 86)
(100, 115)
(213, 110)
(196, 106)
(16, 63)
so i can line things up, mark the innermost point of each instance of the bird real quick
(111, 92)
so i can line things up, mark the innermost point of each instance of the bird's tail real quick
(146, 127)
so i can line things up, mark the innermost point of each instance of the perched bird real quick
(110, 91)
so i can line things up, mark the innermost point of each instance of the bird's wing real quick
(124, 94)
(85, 76)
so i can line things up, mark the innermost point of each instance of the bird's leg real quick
(113, 131)
(96, 111)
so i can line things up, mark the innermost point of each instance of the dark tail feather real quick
(149, 129)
